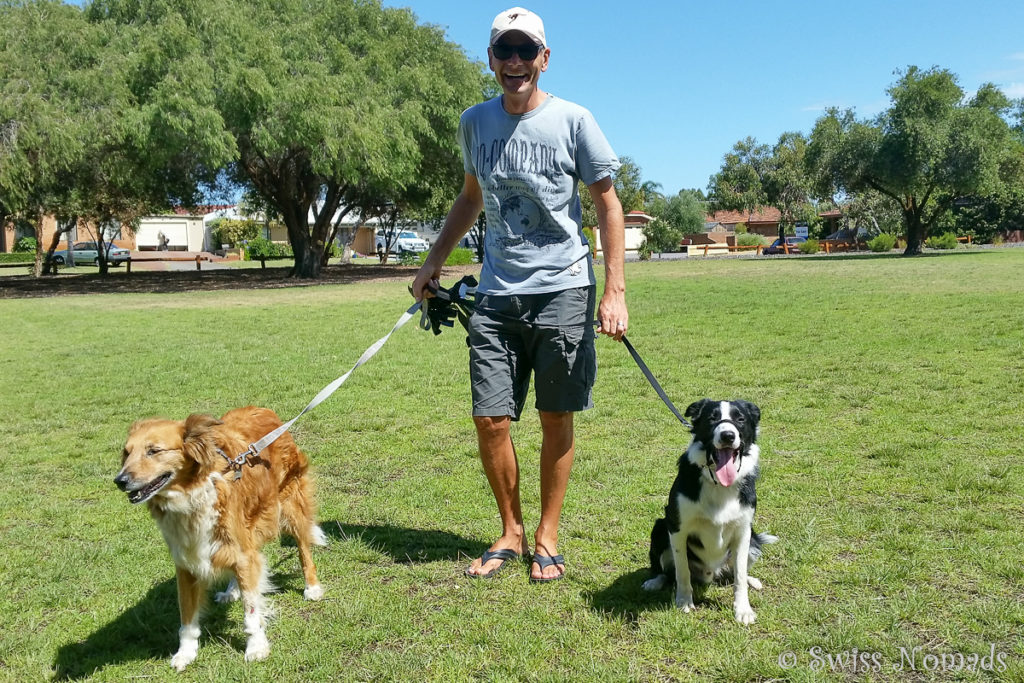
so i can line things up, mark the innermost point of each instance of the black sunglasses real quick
(527, 51)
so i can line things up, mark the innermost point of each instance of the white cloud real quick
(820, 107)
(1013, 90)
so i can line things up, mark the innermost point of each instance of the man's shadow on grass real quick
(405, 545)
(625, 599)
(148, 630)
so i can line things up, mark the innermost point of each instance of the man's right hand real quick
(426, 283)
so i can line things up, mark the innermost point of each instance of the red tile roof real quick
(201, 210)
(766, 214)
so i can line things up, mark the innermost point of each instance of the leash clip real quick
(243, 459)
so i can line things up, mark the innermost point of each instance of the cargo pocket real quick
(577, 344)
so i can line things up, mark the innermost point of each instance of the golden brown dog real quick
(215, 523)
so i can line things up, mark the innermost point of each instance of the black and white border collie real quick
(707, 530)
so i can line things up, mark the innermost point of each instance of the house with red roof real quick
(764, 221)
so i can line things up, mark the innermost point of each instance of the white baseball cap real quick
(518, 19)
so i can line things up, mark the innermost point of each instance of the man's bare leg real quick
(498, 455)
(556, 457)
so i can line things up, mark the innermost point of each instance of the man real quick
(524, 154)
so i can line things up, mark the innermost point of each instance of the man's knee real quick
(556, 421)
(492, 426)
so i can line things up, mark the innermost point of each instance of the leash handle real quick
(654, 382)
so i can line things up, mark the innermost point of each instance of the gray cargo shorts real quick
(550, 336)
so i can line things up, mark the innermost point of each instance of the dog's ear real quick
(694, 408)
(752, 411)
(198, 439)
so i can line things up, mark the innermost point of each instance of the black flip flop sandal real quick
(505, 555)
(545, 561)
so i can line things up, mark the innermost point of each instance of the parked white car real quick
(86, 252)
(404, 241)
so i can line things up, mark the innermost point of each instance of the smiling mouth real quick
(149, 490)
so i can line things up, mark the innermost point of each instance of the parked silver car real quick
(86, 252)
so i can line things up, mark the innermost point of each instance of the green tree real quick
(928, 148)
(739, 185)
(635, 193)
(320, 99)
(755, 175)
(986, 217)
(873, 212)
(686, 212)
(629, 185)
(661, 236)
(42, 131)
(88, 134)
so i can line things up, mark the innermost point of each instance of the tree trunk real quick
(37, 269)
(915, 233)
(350, 238)
(48, 265)
(307, 260)
(306, 252)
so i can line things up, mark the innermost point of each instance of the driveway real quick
(184, 260)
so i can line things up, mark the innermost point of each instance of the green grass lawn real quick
(891, 393)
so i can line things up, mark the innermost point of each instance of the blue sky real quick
(675, 84)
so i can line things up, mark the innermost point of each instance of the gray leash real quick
(254, 449)
(654, 382)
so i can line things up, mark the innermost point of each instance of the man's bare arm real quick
(464, 212)
(612, 314)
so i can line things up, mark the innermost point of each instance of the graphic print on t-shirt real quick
(514, 173)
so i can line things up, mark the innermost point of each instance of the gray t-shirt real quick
(529, 167)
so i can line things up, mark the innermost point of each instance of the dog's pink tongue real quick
(725, 466)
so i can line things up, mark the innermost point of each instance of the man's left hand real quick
(612, 316)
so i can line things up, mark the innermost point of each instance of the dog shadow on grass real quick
(625, 599)
(404, 545)
(148, 630)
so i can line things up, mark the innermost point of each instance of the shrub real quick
(946, 240)
(741, 229)
(408, 258)
(264, 248)
(809, 247)
(25, 245)
(644, 251)
(20, 257)
(233, 232)
(750, 239)
(882, 242)
(460, 256)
